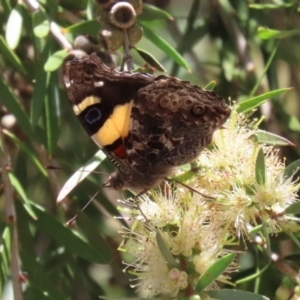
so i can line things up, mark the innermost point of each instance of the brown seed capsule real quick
(112, 37)
(137, 5)
(106, 3)
(135, 34)
(102, 15)
(122, 15)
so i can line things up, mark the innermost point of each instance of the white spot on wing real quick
(98, 84)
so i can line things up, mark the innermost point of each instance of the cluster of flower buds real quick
(118, 19)
(86, 45)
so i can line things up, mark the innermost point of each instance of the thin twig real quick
(127, 54)
(10, 213)
(34, 6)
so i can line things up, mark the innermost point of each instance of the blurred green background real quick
(247, 47)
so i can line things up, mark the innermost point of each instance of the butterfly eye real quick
(199, 110)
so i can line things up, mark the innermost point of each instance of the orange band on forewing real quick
(115, 127)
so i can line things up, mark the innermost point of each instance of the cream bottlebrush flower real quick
(228, 171)
(153, 274)
(186, 237)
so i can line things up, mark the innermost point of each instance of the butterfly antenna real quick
(190, 188)
(137, 204)
(75, 217)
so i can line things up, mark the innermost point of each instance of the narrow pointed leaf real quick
(234, 295)
(18, 187)
(91, 233)
(40, 88)
(165, 47)
(213, 272)
(210, 86)
(269, 138)
(14, 27)
(150, 59)
(248, 105)
(91, 27)
(260, 168)
(14, 107)
(266, 34)
(266, 6)
(52, 113)
(30, 154)
(66, 237)
(81, 174)
(11, 57)
(5, 257)
(151, 12)
(55, 60)
(165, 251)
(294, 208)
(292, 168)
(41, 24)
(294, 124)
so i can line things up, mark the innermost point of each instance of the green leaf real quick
(52, 113)
(5, 257)
(33, 292)
(168, 256)
(66, 237)
(266, 6)
(40, 88)
(41, 24)
(14, 27)
(164, 46)
(29, 152)
(11, 57)
(213, 272)
(38, 274)
(227, 294)
(292, 168)
(93, 236)
(91, 27)
(74, 5)
(186, 175)
(247, 105)
(260, 168)
(151, 12)
(81, 174)
(293, 238)
(13, 106)
(294, 124)
(18, 187)
(265, 137)
(266, 34)
(256, 229)
(55, 60)
(294, 208)
(210, 86)
(150, 59)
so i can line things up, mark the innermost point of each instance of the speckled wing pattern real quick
(171, 121)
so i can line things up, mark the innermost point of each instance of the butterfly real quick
(146, 125)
